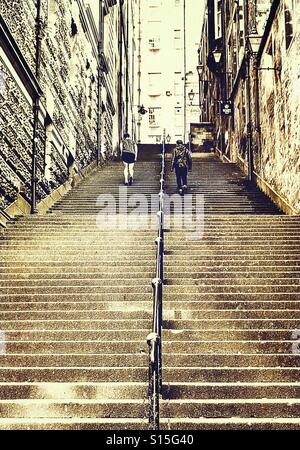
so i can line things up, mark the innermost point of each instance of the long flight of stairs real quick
(76, 309)
(231, 338)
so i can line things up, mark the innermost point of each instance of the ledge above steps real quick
(21, 207)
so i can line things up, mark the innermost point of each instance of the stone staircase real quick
(76, 308)
(231, 310)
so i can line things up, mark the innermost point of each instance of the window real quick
(178, 117)
(288, 18)
(218, 18)
(154, 43)
(154, 3)
(178, 89)
(154, 83)
(154, 117)
(177, 40)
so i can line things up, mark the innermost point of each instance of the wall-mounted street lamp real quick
(200, 69)
(142, 110)
(168, 138)
(191, 96)
(217, 54)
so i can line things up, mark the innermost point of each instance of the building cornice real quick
(272, 15)
(18, 61)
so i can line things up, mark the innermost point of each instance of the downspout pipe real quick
(100, 48)
(36, 108)
(120, 70)
(127, 67)
(248, 56)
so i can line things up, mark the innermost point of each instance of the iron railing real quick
(154, 339)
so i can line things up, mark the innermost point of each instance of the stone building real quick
(251, 52)
(62, 66)
(166, 74)
(49, 96)
(118, 61)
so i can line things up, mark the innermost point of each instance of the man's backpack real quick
(181, 157)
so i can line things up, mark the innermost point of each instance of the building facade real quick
(49, 98)
(248, 57)
(118, 60)
(167, 42)
(65, 70)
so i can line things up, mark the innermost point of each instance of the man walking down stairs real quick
(231, 352)
(76, 308)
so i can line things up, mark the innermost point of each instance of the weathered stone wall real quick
(238, 130)
(67, 131)
(16, 118)
(280, 112)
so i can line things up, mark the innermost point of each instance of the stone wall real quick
(280, 112)
(67, 131)
(16, 118)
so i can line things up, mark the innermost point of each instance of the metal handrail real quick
(154, 339)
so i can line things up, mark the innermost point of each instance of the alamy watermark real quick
(296, 343)
(2, 83)
(2, 343)
(140, 211)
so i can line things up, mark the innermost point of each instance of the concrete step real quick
(74, 360)
(75, 346)
(87, 408)
(122, 305)
(222, 274)
(231, 347)
(233, 423)
(19, 334)
(77, 324)
(62, 283)
(234, 390)
(72, 374)
(69, 291)
(227, 335)
(231, 360)
(229, 408)
(245, 323)
(73, 390)
(236, 374)
(246, 287)
(235, 280)
(74, 424)
(17, 277)
(73, 311)
(232, 311)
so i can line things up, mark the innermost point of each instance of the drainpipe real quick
(248, 95)
(36, 107)
(100, 48)
(139, 73)
(127, 66)
(223, 80)
(257, 110)
(120, 70)
(184, 70)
